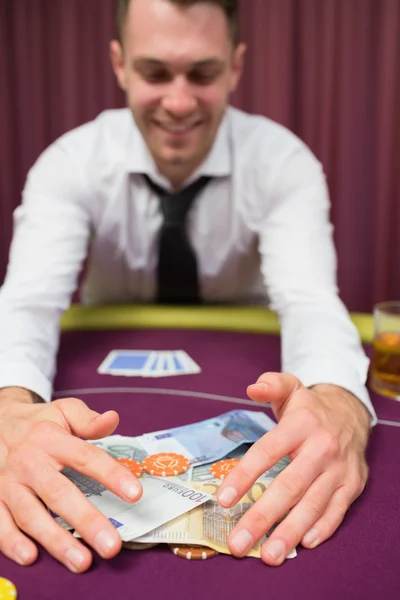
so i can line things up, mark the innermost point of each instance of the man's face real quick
(177, 67)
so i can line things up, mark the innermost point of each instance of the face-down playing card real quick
(148, 363)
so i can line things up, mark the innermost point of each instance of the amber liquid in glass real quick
(385, 365)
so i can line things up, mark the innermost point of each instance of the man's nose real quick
(179, 100)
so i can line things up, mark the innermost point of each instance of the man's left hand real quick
(324, 430)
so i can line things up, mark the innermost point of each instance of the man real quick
(260, 231)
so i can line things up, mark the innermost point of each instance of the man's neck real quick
(177, 175)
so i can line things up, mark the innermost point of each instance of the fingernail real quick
(22, 554)
(227, 496)
(105, 542)
(130, 489)
(75, 559)
(262, 386)
(311, 538)
(276, 549)
(242, 541)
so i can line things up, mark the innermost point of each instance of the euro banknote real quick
(210, 524)
(203, 442)
(162, 500)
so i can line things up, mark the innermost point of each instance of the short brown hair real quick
(230, 8)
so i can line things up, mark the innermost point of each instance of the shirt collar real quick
(218, 162)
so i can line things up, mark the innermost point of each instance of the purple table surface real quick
(360, 561)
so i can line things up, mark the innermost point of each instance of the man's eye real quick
(202, 78)
(155, 77)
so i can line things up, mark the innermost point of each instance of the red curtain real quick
(327, 69)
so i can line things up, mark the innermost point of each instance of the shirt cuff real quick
(322, 373)
(25, 375)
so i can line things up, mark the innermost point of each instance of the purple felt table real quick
(362, 559)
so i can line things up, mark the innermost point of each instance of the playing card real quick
(151, 369)
(166, 365)
(148, 363)
(127, 362)
(175, 362)
(184, 365)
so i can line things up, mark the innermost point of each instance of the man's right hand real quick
(37, 441)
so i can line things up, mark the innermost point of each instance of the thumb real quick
(86, 423)
(276, 388)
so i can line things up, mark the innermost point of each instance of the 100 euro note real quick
(162, 500)
(209, 524)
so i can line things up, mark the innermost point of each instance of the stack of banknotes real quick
(182, 509)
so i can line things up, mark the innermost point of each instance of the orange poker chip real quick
(166, 464)
(220, 469)
(192, 552)
(132, 465)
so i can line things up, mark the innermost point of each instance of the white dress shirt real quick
(260, 229)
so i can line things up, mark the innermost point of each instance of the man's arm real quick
(51, 233)
(39, 439)
(320, 344)
(321, 403)
(18, 394)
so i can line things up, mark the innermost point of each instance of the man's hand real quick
(324, 431)
(36, 442)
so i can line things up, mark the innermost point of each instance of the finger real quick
(102, 426)
(13, 543)
(300, 520)
(84, 422)
(32, 518)
(96, 463)
(60, 495)
(333, 516)
(276, 388)
(262, 455)
(61, 449)
(283, 493)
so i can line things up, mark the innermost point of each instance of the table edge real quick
(246, 319)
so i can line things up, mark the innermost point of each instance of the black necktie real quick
(177, 266)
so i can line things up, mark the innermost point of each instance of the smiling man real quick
(177, 85)
(179, 198)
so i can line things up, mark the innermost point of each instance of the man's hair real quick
(230, 8)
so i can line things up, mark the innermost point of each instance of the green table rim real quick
(250, 319)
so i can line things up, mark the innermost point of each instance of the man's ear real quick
(237, 65)
(118, 63)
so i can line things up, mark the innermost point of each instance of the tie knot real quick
(176, 205)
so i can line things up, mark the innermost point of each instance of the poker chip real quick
(220, 469)
(192, 552)
(132, 465)
(166, 464)
(138, 546)
(8, 591)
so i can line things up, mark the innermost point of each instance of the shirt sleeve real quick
(320, 344)
(51, 233)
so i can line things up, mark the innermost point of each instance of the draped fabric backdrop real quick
(327, 69)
